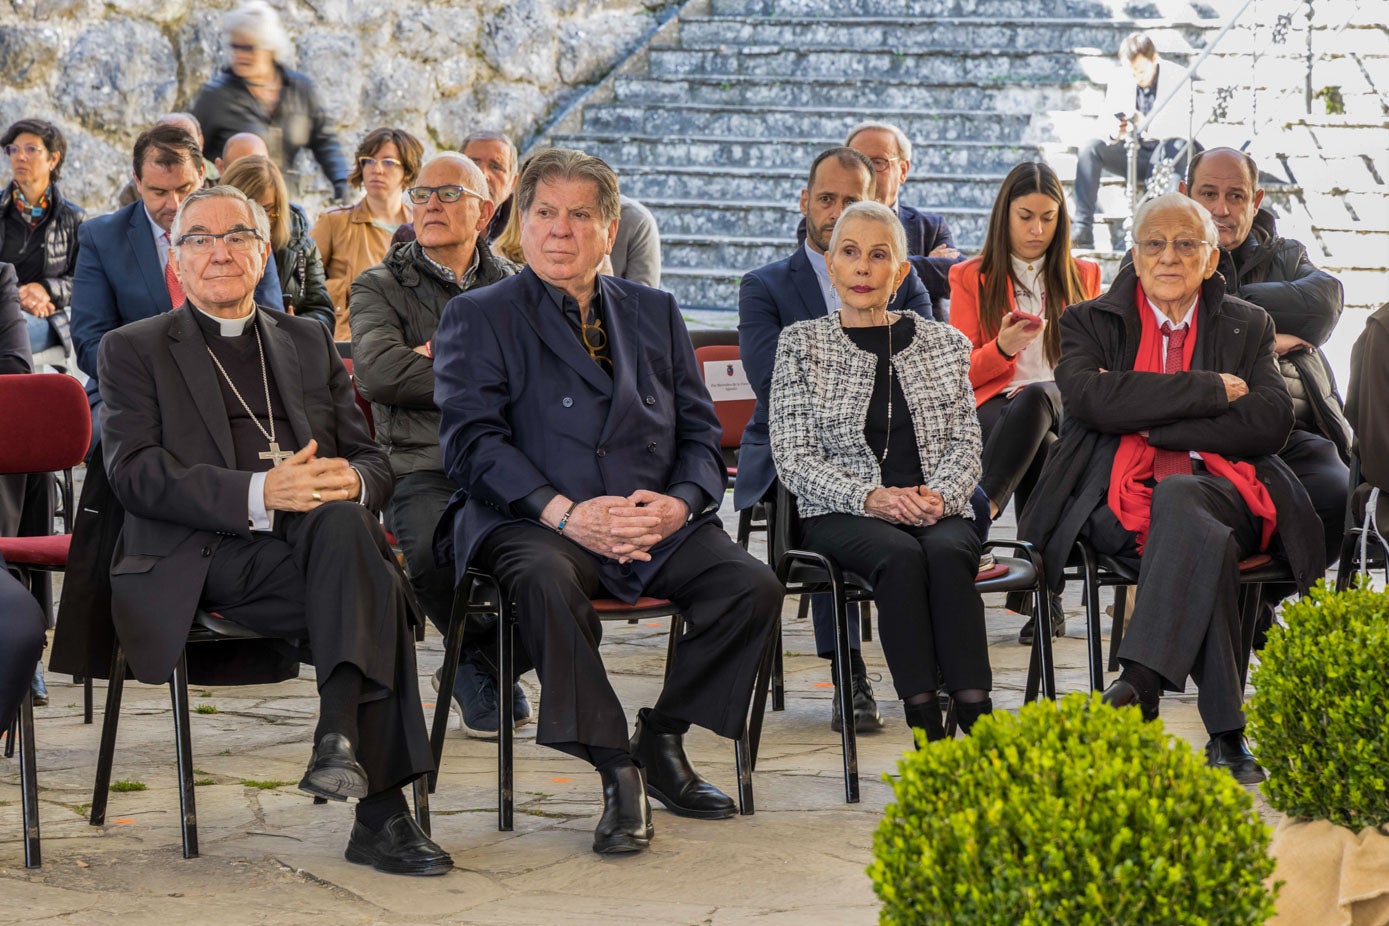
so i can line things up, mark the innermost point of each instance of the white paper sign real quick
(727, 380)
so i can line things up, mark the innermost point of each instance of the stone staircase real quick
(714, 123)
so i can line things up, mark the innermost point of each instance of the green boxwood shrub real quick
(1320, 712)
(1069, 813)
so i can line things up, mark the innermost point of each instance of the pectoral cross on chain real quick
(275, 455)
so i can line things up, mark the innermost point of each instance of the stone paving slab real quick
(269, 855)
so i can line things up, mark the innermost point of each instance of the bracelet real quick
(1002, 352)
(564, 518)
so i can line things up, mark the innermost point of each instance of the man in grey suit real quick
(204, 407)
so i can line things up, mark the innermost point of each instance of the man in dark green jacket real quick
(396, 307)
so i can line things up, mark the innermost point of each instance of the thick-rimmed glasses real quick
(238, 239)
(448, 193)
(596, 342)
(1185, 247)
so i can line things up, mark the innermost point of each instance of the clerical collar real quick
(229, 327)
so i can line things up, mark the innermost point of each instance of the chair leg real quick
(744, 527)
(1043, 657)
(1121, 616)
(1092, 621)
(1349, 556)
(29, 782)
(1250, 599)
(843, 690)
(803, 608)
(453, 644)
(743, 759)
(86, 699)
(106, 753)
(506, 666)
(865, 617)
(952, 721)
(421, 789)
(183, 751)
(778, 669)
(677, 630)
(759, 695)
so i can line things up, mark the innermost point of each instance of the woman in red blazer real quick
(1008, 302)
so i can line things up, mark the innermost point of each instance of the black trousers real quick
(327, 578)
(730, 602)
(929, 613)
(1316, 464)
(1185, 618)
(1099, 155)
(1017, 432)
(22, 625)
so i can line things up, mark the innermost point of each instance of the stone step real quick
(702, 119)
(1019, 97)
(912, 9)
(695, 252)
(996, 65)
(918, 34)
(764, 152)
(735, 184)
(696, 288)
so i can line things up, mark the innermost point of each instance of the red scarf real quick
(1130, 498)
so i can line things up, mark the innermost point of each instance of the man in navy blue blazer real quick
(576, 422)
(930, 246)
(122, 258)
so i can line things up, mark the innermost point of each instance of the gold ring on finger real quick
(316, 496)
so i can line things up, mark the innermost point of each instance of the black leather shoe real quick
(400, 848)
(1121, 694)
(866, 716)
(671, 780)
(334, 772)
(1058, 623)
(626, 822)
(1229, 751)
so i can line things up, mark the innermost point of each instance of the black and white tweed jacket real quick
(821, 387)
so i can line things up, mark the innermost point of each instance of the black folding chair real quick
(805, 572)
(479, 594)
(207, 628)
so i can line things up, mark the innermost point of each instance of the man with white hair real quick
(1167, 461)
(396, 307)
(930, 246)
(250, 485)
(256, 92)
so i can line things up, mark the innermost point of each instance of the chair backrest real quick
(719, 363)
(786, 524)
(45, 422)
(703, 337)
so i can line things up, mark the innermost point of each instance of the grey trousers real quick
(1185, 619)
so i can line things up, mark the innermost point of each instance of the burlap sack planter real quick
(1332, 876)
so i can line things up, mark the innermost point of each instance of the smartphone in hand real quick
(1032, 322)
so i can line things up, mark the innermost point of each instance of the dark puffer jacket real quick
(59, 243)
(396, 307)
(1275, 274)
(225, 106)
(301, 272)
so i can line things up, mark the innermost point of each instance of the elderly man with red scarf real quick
(1175, 411)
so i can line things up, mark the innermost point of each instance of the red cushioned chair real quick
(47, 427)
(479, 594)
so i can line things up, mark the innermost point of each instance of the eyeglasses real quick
(383, 163)
(242, 47)
(882, 164)
(1185, 247)
(448, 193)
(238, 240)
(595, 341)
(32, 151)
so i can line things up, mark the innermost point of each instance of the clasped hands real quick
(305, 481)
(919, 506)
(34, 299)
(624, 529)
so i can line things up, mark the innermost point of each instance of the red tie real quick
(171, 281)
(1172, 462)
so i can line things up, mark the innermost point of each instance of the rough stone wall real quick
(103, 69)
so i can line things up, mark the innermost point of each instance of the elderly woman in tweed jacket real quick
(873, 429)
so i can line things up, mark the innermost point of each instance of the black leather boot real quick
(626, 822)
(671, 780)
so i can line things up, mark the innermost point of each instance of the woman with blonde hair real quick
(296, 255)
